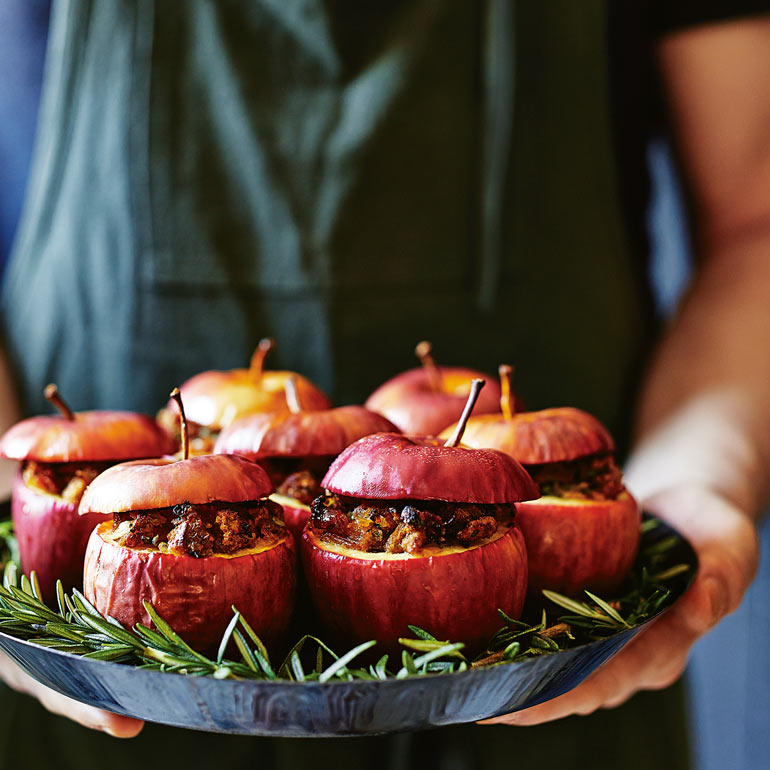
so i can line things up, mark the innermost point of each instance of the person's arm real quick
(702, 458)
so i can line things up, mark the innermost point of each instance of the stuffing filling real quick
(297, 477)
(589, 478)
(201, 530)
(404, 526)
(65, 480)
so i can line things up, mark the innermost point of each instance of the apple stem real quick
(454, 439)
(507, 404)
(266, 344)
(424, 351)
(177, 396)
(51, 392)
(292, 396)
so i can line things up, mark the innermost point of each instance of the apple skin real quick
(195, 596)
(309, 433)
(411, 404)
(389, 466)
(295, 514)
(574, 545)
(453, 596)
(52, 537)
(216, 398)
(95, 436)
(544, 436)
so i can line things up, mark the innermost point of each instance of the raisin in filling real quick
(201, 530)
(65, 480)
(297, 477)
(404, 526)
(590, 478)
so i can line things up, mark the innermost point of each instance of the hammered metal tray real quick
(338, 708)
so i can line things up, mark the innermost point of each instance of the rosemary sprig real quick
(76, 627)
(9, 548)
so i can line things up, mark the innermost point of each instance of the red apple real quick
(577, 537)
(59, 455)
(452, 593)
(214, 399)
(168, 545)
(296, 448)
(425, 400)
(295, 514)
(194, 595)
(574, 545)
(451, 587)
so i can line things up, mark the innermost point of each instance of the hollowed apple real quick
(415, 531)
(193, 537)
(52, 537)
(452, 593)
(194, 595)
(584, 532)
(574, 545)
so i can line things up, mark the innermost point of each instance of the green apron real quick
(349, 178)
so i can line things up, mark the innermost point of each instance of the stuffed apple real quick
(60, 455)
(425, 400)
(413, 531)
(194, 537)
(297, 447)
(214, 399)
(583, 532)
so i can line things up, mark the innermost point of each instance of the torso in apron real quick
(347, 181)
(349, 178)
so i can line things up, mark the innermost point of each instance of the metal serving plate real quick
(359, 707)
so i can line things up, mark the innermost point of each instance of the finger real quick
(95, 719)
(88, 716)
(653, 660)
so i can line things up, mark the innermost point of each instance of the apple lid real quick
(93, 436)
(545, 436)
(310, 433)
(388, 466)
(165, 481)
